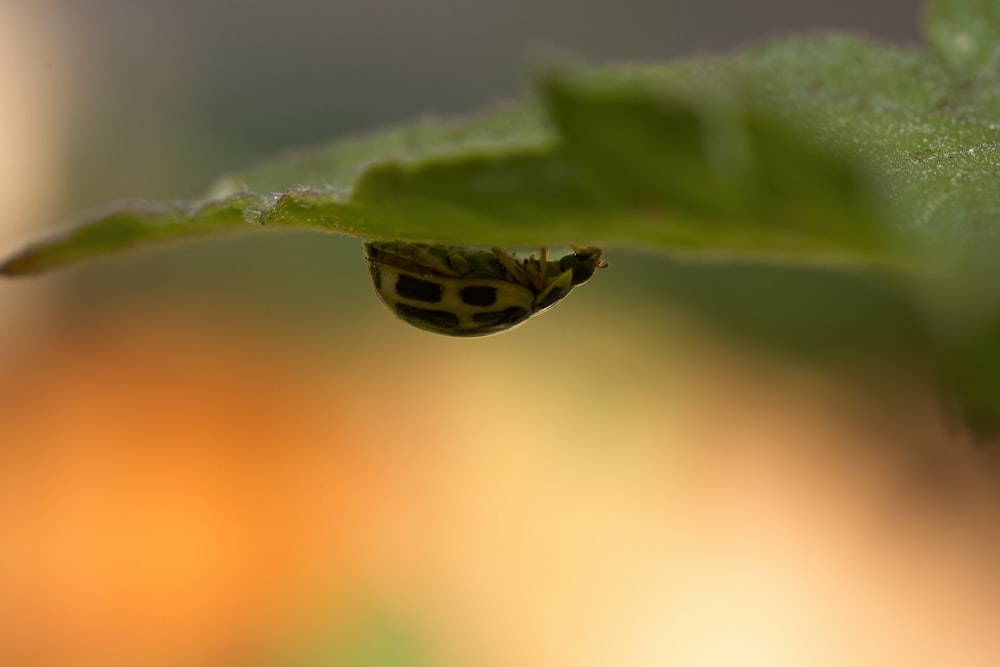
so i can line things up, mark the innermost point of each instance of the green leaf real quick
(966, 34)
(641, 167)
(306, 189)
(806, 148)
(730, 177)
(134, 225)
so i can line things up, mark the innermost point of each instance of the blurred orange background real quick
(228, 454)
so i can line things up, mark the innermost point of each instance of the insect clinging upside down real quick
(459, 291)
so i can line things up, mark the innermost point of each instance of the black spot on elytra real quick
(376, 275)
(439, 318)
(479, 295)
(507, 317)
(554, 295)
(409, 287)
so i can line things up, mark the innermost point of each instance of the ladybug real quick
(459, 291)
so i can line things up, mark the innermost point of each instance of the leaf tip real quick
(20, 264)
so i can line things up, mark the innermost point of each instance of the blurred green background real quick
(228, 453)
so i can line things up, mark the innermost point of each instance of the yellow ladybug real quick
(463, 292)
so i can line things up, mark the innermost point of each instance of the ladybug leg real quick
(536, 270)
(510, 264)
(557, 288)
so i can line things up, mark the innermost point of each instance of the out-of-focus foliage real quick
(964, 33)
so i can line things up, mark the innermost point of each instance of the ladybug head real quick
(583, 262)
